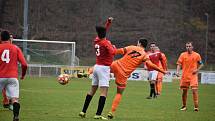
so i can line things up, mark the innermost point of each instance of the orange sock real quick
(5, 99)
(116, 102)
(195, 99)
(156, 87)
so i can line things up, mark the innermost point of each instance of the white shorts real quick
(11, 85)
(101, 76)
(153, 75)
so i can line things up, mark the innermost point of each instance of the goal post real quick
(45, 58)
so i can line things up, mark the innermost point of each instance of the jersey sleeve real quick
(199, 59)
(23, 62)
(180, 60)
(111, 48)
(120, 51)
(163, 61)
(145, 58)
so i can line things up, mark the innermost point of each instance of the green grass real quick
(43, 99)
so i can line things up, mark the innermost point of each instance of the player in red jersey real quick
(156, 57)
(105, 52)
(133, 56)
(10, 56)
(6, 102)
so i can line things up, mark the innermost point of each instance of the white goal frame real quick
(73, 57)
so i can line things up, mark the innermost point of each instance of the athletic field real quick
(43, 99)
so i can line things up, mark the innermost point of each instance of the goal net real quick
(45, 58)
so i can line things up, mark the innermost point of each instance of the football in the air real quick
(63, 79)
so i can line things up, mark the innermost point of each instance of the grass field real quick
(43, 99)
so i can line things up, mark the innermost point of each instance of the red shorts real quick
(119, 74)
(187, 84)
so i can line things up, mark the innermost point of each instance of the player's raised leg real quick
(116, 101)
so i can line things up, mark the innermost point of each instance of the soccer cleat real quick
(110, 115)
(82, 114)
(15, 118)
(183, 108)
(100, 117)
(149, 97)
(196, 109)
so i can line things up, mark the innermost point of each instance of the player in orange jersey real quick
(123, 67)
(190, 62)
(158, 83)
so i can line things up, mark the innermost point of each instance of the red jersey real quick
(156, 58)
(10, 56)
(105, 51)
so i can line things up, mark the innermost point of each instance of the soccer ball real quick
(63, 79)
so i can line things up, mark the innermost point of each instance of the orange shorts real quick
(187, 84)
(119, 74)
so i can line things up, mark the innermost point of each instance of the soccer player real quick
(158, 83)
(6, 102)
(10, 56)
(156, 58)
(123, 67)
(105, 52)
(190, 62)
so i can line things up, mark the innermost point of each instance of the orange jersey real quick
(189, 63)
(133, 57)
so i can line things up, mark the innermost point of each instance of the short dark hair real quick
(101, 31)
(5, 35)
(189, 42)
(143, 42)
(153, 43)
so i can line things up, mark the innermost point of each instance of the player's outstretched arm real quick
(149, 63)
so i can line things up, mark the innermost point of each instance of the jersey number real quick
(97, 49)
(134, 54)
(5, 56)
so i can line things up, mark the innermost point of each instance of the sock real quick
(87, 102)
(184, 97)
(116, 102)
(156, 87)
(16, 107)
(152, 89)
(159, 87)
(195, 100)
(101, 104)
